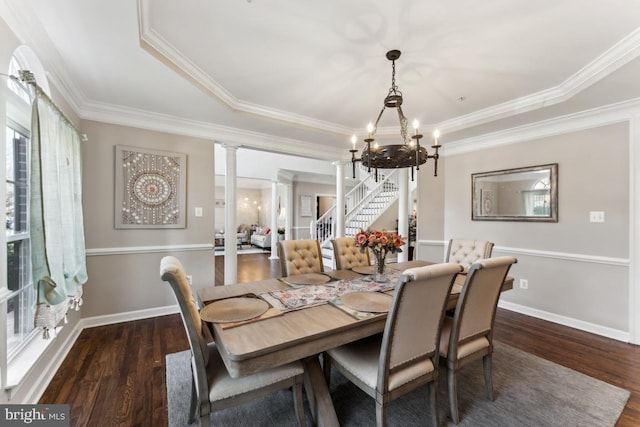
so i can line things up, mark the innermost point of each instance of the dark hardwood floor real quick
(115, 375)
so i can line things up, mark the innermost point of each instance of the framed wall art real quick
(305, 205)
(150, 188)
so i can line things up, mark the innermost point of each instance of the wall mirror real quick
(521, 194)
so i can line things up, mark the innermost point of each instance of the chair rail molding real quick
(593, 259)
(149, 249)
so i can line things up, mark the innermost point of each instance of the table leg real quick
(318, 395)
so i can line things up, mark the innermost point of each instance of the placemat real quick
(372, 302)
(365, 269)
(306, 279)
(233, 310)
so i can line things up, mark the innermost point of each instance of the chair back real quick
(467, 251)
(478, 301)
(172, 271)
(300, 257)
(411, 336)
(347, 255)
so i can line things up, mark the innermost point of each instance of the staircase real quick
(364, 205)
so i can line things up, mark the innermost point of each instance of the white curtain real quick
(57, 226)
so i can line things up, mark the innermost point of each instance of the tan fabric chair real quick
(405, 356)
(467, 251)
(468, 336)
(212, 387)
(347, 255)
(300, 257)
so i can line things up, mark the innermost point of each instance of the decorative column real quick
(274, 220)
(340, 217)
(403, 212)
(230, 226)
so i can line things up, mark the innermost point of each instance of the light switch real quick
(198, 211)
(596, 216)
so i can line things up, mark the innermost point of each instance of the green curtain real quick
(57, 226)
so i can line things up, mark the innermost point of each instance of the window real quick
(21, 298)
(541, 197)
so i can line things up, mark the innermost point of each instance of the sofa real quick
(261, 238)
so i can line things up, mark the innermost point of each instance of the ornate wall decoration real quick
(150, 188)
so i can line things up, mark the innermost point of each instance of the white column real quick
(289, 213)
(230, 226)
(403, 214)
(274, 220)
(339, 224)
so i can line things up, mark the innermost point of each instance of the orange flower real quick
(380, 241)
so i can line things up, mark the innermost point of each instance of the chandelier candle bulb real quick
(436, 135)
(353, 142)
(416, 125)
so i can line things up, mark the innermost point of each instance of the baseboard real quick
(604, 331)
(109, 319)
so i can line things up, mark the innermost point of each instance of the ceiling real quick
(302, 76)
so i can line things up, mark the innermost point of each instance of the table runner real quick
(311, 295)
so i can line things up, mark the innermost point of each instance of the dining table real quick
(284, 335)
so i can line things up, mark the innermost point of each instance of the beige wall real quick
(555, 258)
(128, 280)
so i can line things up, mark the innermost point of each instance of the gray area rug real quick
(528, 391)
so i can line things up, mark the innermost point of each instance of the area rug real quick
(528, 391)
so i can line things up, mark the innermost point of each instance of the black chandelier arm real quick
(435, 156)
(353, 161)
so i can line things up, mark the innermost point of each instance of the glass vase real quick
(380, 266)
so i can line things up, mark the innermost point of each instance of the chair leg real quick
(486, 364)
(326, 369)
(193, 406)
(433, 400)
(381, 414)
(453, 395)
(298, 405)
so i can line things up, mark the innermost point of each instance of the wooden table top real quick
(259, 345)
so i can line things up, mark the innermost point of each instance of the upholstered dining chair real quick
(468, 336)
(406, 355)
(347, 255)
(300, 257)
(467, 251)
(212, 388)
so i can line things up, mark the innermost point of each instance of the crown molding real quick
(600, 116)
(163, 50)
(143, 119)
(29, 33)
(618, 55)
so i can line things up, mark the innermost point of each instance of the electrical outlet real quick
(524, 284)
(190, 280)
(596, 216)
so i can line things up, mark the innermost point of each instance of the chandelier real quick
(409, 154)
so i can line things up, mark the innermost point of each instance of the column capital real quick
(230, 146)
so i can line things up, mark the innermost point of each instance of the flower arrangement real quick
(379, 241)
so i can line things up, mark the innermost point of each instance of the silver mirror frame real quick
(553, 195)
